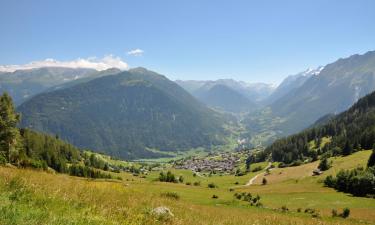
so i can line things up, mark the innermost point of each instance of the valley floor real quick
(35, 197)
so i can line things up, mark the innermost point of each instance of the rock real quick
(163, 212)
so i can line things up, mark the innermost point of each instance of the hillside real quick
(292, 83)
(134, 114)
(33, 194)
(350, 131)
(334, 89)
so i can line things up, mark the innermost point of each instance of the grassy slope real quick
(296, 188)
(43, 198)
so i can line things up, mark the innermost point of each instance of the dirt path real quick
(251, 181)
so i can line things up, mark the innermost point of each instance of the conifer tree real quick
(10, 141)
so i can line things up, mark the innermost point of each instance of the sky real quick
(254, 41)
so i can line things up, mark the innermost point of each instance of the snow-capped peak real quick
(311, 72)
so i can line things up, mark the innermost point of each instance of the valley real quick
(187, 112)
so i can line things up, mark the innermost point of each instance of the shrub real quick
(212, 185)
(188, 183)
(256, 169)
(237, 196)
(215, 196)
(236, 183)
(284, 208)
(310, 210)
(172, 195)
(197, 183)
(299, 210)
(296, 163)
(345, 213)
(264, 181)
(3, 160)
(330, 181)
(324, 164)
(181, 179)
(168, 177)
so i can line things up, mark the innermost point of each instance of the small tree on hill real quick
(324, 164)
(264, 181)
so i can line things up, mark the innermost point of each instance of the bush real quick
(264, 181)
(172, 195)
(197, 183)
(168, 177)
(3, 160)
(188, 183)
(296, 163)
(236, 183)
(330, 181)
(237, 196)
(345, 213)
(256, 169)
(324, 164)
(359, 181)
(215, 196)
(284, 208)
(212, 185)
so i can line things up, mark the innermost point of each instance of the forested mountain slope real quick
(129, 115)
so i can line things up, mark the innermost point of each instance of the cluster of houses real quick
(219, 162)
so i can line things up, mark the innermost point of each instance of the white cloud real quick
(108, 61)
(136, 52)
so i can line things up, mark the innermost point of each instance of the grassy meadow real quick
(36, 197)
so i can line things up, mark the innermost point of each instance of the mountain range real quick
(228, 95)
(139, 113)
(23, 84)
(302, 99)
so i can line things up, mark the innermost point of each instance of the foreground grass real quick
(35, 197)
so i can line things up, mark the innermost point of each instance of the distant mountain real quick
(334, 89)
(84, 79)
(133, 114)
(23, 84)
(349, 131)
(291, 83)
(225, 98)
(250, 94)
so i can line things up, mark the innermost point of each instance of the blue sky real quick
(195, 39)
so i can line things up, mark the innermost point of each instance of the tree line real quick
(359, 181)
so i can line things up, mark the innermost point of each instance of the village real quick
(223, 162)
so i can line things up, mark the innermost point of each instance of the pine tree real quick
(348, 149)
(10, 141)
